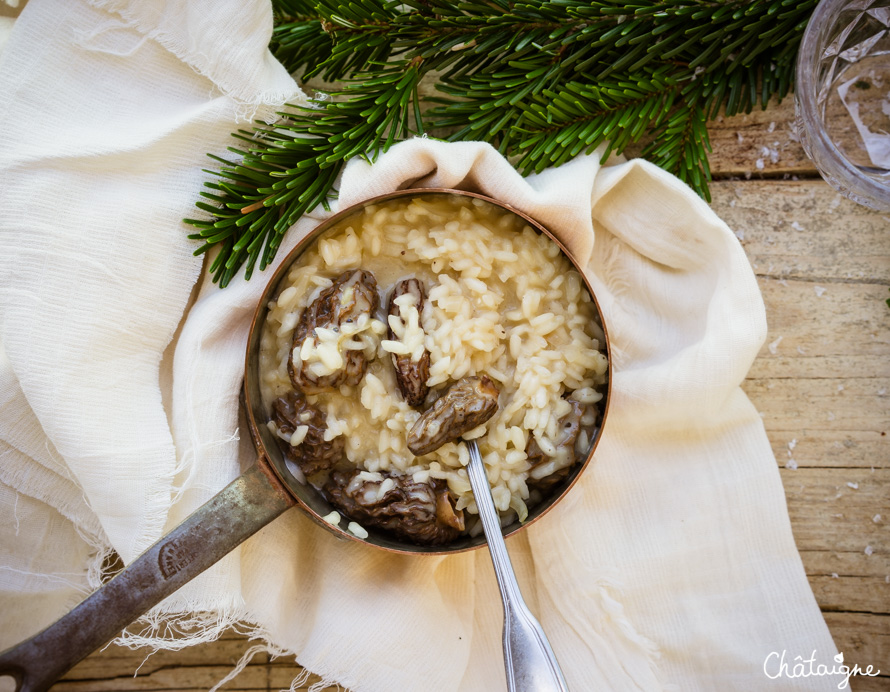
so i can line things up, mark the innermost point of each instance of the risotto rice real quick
(501, 301)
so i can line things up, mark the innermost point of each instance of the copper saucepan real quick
(242, 508)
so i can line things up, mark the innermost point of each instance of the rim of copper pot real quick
(308, 498)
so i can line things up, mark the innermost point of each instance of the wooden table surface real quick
(821, 382)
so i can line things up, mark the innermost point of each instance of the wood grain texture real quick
(821, 383)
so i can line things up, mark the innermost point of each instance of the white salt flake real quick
(774, 346)
(840, 388)
(831, 415)
(732, 203)
(792, 445)
(791, 465)
(772, 127)
(834, 575)
(758, 164)
(869, 550)
(876, 518)
(796, 226)
(851, 484)
(882, 391)
(739, 137)
(801, 351)
(820, 291)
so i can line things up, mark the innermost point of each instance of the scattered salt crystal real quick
(758, 164)
(774, 346)
(796, 226)
(840, 388)
(887, 579)
(869, 550)
(834, 575)
(794, 178)
(748, 175)
(732, 203)
(836, 202)
(882, 391)
(739, 137)
(772, 127)
(853, 485)
(792, 445)
(876, 518)
(820, 291)
(830, 415)
(801, 351)
(791, 465)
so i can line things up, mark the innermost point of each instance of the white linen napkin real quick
(670, 565)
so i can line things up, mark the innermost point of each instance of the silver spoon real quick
(530, 662)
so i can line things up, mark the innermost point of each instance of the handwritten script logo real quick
(776, 666)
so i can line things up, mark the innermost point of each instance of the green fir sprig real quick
(542, 80)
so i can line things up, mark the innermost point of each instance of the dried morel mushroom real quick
(467, 403)
(292, 414)
(413, 367)
(419, 512)
(325, 353)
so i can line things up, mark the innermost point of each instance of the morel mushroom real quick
(325, 353)
(549, 470)
(413, 366)
(418, 512)
(293, 415)
(467, 403)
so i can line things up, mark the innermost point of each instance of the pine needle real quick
(542, 80)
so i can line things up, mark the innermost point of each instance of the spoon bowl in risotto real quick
(407, 323)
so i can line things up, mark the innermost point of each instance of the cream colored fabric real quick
(671, 565)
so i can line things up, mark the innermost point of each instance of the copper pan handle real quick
(238, 511)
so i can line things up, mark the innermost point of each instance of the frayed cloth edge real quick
(247, 108)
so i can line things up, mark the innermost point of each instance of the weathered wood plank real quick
(805, 229)
(834, 510)
(820, 448)
(195, 668)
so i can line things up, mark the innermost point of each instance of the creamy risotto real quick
(489, 297)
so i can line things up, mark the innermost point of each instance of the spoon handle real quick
(529, 660)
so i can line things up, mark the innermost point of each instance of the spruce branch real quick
(286, 170)
(542, 80)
